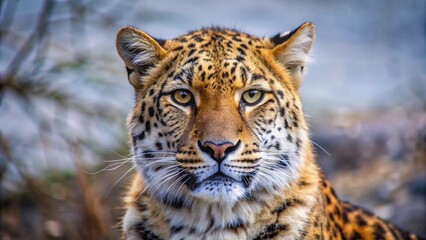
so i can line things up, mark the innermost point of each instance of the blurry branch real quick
(7, 19)
(418, 88)
(36, 36)
(5, 154)
(27, 83)
(91, 215)
(28, 89)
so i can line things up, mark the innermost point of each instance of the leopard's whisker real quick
(111, 167)
(320, 147)
(166, 171)
(128, 171)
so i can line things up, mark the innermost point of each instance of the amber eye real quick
(182, 97)
(252, 97)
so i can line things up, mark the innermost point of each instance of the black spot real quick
(331, 217)
(271, 231)
(159, 146)
(295, 124)
(151, 111)
(182, 39)
(210, 76)
(175, 229)
(281, 94)
(277, 146)
(198, 39)
(148, 155)
(191, 45)
(147, 126)
(328, 226)
(288, 203)
(174, 202)
(204, 46)
(241, 51)
(304, 183)
(355, 236)
(203, 76)
(236, 39)
(142, 207)
(361, 221)
(327, 200)
(178, 48)
(144, 233)
(191, 60)
(240, 58)
(345, 218)
(337, 211)
(285, 124)
(255, 77)
(289, 138)
(225, 75)
(170, 75)
(139, 137)
(141, 119)
(303, 232)
(298, 143)
(190, 54)
(143, 107)
(379, 231)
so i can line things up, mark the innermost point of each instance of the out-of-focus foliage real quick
(64, 97)
(57, 117)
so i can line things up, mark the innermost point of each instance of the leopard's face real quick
(217, 117)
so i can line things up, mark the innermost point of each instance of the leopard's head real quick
(217, 114)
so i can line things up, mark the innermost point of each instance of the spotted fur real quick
(217, 166)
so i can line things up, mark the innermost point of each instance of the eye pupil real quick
(252, 94)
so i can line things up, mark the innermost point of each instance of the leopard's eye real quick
(182, 97)
(252, 97)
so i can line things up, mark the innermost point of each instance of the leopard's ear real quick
(291, 49)
(139, 52)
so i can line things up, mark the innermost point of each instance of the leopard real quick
(220, 143)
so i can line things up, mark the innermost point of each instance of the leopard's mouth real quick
(218, 176)
(216, 182)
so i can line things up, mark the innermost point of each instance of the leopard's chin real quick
(220, 189)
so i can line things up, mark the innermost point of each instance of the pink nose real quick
(218, 151)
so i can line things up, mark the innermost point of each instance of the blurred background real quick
(64, 97)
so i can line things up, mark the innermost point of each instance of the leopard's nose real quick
(218, 150)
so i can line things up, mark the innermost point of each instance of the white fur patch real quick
(136, 50)
(297, 52)
(131, 218)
